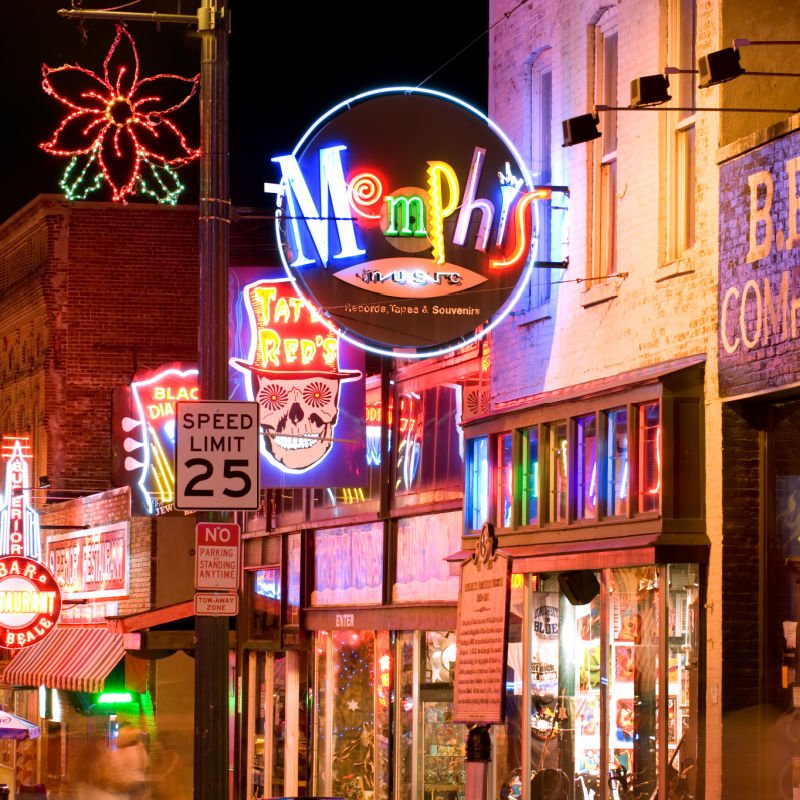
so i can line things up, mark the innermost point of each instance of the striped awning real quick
(74, 658)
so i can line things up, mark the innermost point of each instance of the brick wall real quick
(654, 314)
(102, 509)
(740, 560)
(94, 291)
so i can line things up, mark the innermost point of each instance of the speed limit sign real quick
(216, 455)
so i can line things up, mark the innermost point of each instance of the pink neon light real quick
(657, 487)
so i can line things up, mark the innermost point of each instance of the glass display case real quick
(443, 752)
(608, 694)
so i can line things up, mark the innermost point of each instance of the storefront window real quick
(277, 736)
(649, 457)
(505, 482)
(586, 715)
(431, 747)
(407, 702)
(586, 467)
(632, 703)
(352, 714)
(616, 473)
(265, 590)
(683, 610)
(477, 499)
(530, 465)
(559, 474)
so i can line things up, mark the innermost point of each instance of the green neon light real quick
(109, 698)
(405, 210)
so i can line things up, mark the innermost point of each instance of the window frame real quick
(556, 513)
(604, 258)
(540, 78)
(682, 148)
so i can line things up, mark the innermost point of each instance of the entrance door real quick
(277, 724)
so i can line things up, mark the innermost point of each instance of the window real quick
(649, 457)
(265, 591)
(605, 256)
(596, 642)
(505, 480)
(334, 496)
(558, 472)
(477, 488)
(683, 21)
(428, 439)
(542, 168)
(616, 461)
(586, 467)
(530, 483)
(293, 568)
(429, 446)
(580, 465)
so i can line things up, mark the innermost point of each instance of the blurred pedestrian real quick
(115, 774)
(167, 773)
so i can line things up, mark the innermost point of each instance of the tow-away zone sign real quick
(219, 604)
(216, 455)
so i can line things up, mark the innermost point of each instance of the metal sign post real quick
(211, 756)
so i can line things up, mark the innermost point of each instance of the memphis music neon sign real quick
(408, 219)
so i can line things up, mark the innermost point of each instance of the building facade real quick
(628, 432)
(629, 405)
(632, 449)
(87, 292)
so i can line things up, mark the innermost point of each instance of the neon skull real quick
(297, 417)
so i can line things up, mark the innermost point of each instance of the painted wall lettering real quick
(759, 269)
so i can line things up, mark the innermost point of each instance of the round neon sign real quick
(407, 219)
(30, 601)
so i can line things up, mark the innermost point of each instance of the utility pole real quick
(211, 719)
(211, 633)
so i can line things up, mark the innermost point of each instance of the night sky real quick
(288, 64)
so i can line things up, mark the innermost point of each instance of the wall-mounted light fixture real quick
(723, 65)
(648, 93)
(719, 67)
(649, 90)
(578, 130)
